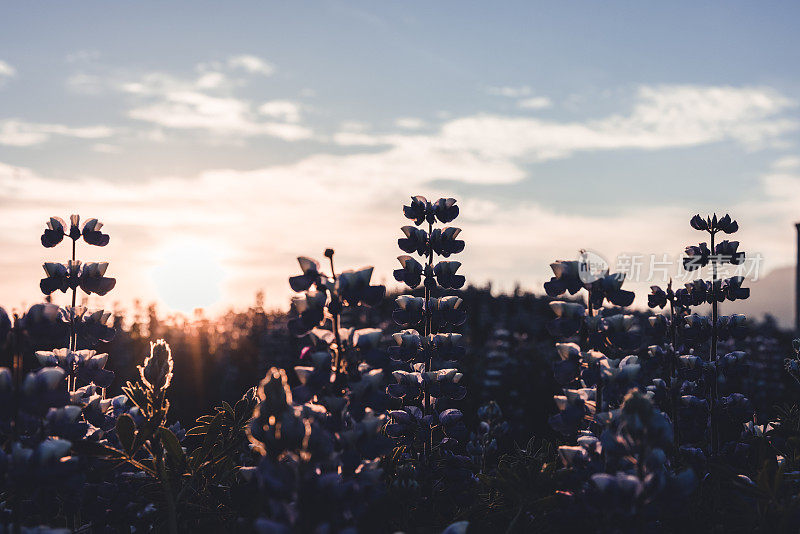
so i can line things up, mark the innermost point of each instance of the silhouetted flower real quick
(726, 252)
(448, 310)
(446, 210)
(156, 371)
(408, 345)
(566, 278)
(60, 276)
(696, 257)
(737, 407)
(609, 287)
(406, 424)
(445, 346)
(410, 310)
(276, 425)
(411, 272)
(657, 297)
(93, 327)
(713, 225)
(444, 241)
(92, 234)
(416, 240)
(74, 227)
(310, 276)
(408, 385)
(445, 272)
(92, 278)
(732, 288)
(354, 287)
(311, 310)
(54, 233)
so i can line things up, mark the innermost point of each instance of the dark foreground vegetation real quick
(443, 409)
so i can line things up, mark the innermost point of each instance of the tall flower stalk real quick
(89, 277)
(429, 356)
(715, 254)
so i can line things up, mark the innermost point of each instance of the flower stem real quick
(713, 354)
(672, 368)
(336, 336)
(428, 327)
(73, 337)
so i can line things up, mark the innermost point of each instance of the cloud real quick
(6, 72)
(284, 110)
(786, 163)
(207, 104)
(536, 102)
(251, 64)
(105, 148)
(15, 132)
(662, 117)
(410, 123)
(192, 110)
(352, 203)
(509, 91)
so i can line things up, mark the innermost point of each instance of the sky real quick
(218, 142)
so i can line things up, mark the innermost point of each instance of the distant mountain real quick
(772, 294)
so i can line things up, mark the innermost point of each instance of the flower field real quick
(445, 408)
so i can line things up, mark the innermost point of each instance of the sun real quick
(189, 275)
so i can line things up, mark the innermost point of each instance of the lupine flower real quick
(419, 210)
(93, 327)
(311, 310)
(732, 289)
(446, 347)
(43, 390)
(406, 425)
(93, 280)
(54, 233)
(74, 226)
(569, 316)
(410, 273)
(43, 322)
(444, 241)
(310, 276)
(156, 371)
(726, 251)
(574, 409)
(566, 278)
(446, 210)
(657, 297)
(734, 326)
(696, 257)
(92, 234)
(568, 368)
(63, 422)
(416, 240)
(445, 384)
(63, 358)
(410, 310)
(609, 287)
(448, 310)
(409, 344)
(712, 224)
(408, 385)
(60, 276)
(445, 272)
(354, 287)
(737, 407)
(276, 425)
